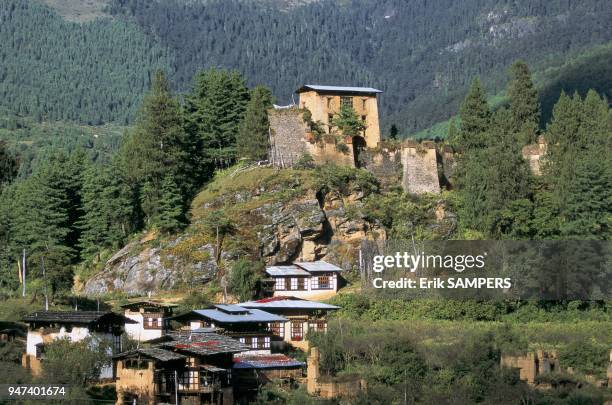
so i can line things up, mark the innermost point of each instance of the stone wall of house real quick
(534, 154)
(420, 168)
(330, 387)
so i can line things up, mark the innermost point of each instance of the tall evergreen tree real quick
(43, 223)
(170, 215)
(524, 103)
(107, 210)
(475, 119)
(158, 146)
(8, 165)
(213, 112)
(252, 140)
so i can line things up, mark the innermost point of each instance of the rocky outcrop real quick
(308, 227)
(139, 269)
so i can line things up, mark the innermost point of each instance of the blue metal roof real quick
(286, 271)
(250, 315)
(338, 89)
(318, 266)
(230, 308)
(288, 303)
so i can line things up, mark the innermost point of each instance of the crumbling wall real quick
(385, 164)
(532, 364)
(534, 154)
(287, 136)
(330, 387)
(420, 168)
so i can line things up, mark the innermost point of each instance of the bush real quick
(244, 279)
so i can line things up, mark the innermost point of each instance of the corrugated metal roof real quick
(266, 362)
(251, 315)
(76, 317)
(318, 266)
(338, 89)
(230, 308)
(138, 304)
(152, 352)
(286, 271)
(205, 344)
(288, 303)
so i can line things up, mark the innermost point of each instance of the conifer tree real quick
(252, 140)
(8, 165)
(158, 146)
(524, 103)
(170, 214)
(42, 222)
(475, 119)
(107, 210)
(213, 112)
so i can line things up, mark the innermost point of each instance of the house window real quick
(152, 322)
(278, 328)
(363, 103)
(363, 118)
(324, 282)
(117, 343)
(329, 102)
(298, 284)
(135, 364)
(297, 330)
(280, 285)
(317, 326)
(346, 101)
(330, 120)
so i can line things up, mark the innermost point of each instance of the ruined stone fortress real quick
(307, 129)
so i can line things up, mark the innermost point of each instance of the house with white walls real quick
(303, 316)
(47, 326)
(151, 319)
(310, 280)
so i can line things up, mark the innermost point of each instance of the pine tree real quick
(42, 222)
(158, 146)
(252, 140)
(213, 111)
(107, 207)
(524, 103)
(8, 165)
(475, 119)
(170, 214)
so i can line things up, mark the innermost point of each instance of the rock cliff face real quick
(277, 217)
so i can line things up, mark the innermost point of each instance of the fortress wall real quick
(287, 136)
(420, 168)
(288, 141)
(386, 165)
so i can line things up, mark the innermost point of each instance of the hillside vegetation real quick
(102, 67)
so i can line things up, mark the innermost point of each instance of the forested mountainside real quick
(53, 69)
(422, 54)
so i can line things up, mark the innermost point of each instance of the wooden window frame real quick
(297, 331)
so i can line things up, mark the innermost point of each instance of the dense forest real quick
(96, 72)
